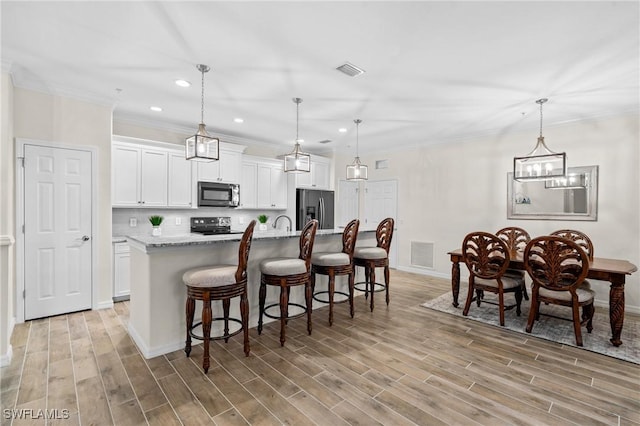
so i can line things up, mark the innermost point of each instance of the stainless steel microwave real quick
(211, 194)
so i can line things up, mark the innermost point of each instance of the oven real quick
(211, 194)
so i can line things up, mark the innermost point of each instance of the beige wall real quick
(448, 190)
(46, 117)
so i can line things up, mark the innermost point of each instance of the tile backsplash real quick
(239, 219)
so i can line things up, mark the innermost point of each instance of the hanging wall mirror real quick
(574, 197)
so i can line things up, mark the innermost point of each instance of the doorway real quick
(380, 202)
(55, 220)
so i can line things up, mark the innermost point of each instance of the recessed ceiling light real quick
(238, 120)
(183, 83)
(155, 108)
(342, 130)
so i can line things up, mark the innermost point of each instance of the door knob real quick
(85, 238)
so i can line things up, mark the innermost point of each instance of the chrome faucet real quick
(289, 228)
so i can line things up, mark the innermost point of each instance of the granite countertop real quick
(118, 239)
(149, 241)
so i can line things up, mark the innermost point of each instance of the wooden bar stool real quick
(336, 263)
(375, 257)
(286, 272)
(219, 282)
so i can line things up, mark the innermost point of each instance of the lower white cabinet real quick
(121, 279)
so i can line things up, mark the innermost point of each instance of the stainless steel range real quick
(212, 225)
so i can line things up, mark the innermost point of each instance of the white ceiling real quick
(435, 71)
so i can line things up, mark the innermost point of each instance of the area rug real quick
(550, 328)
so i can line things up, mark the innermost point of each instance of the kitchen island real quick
(157, 302)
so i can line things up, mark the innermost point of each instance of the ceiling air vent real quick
(325, 141)
(350, 69)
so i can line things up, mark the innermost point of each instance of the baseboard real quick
(104, 305)
(5, 359)
(422, 271)
(148, 352)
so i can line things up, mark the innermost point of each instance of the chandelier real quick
(297, 161)
(541, 163)
(357, 171)
(201, 146)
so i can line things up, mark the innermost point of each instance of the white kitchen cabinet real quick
(264, 184)
(248, 183)
(180, 183)
(139, 176)
(225, 170)
(121, 279)
(318, 177)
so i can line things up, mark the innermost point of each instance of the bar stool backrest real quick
(243, 252)
(384, 233)
(307, 237)
(349, 237)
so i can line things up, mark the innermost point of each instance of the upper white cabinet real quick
(180, 182)
(226, 169)
(156, 174)
(319, 176)
(139, 176)
(263, 185)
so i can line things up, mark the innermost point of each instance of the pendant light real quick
(297, 161)
(201, 146)
(357, 171)
(541, 163)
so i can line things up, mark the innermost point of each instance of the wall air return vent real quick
(350, 69)
(422, 254)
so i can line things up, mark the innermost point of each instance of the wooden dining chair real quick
(516, 240)
(487, 258)
(558, 267)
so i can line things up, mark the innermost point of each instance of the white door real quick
(348, 204)
(381, 201)
(57, 233)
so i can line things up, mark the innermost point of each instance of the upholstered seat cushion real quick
(330, 259)
(281, 266)
(211, 276)
(507, 282)
(369, 253)
(514, 273)
(584, 294)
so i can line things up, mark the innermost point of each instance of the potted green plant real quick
(156, 221)
(263, 222)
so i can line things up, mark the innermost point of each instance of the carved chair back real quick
(307, 237)
(579, 238)
(384, 233)
(556, 263)
(349, 237)
(515, 238)
(486, 255)
(243, 252)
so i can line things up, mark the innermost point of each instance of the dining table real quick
(612, 270)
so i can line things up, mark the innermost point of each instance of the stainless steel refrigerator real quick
(314, 204)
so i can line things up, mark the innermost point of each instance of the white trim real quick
(423, 271)
(5, 359)
(153, 352)
(6, 240)
(172, 146)
(20, 144)
(103, 305)
(24, 80)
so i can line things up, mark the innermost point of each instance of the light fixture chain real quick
(297, 120)
(541, 119)
(357, 139)
(202, 100)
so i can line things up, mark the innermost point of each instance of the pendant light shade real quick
(357, 171)
(201, 146)
(541, 163)
(297, 161)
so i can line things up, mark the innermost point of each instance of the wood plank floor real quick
(400, 365)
